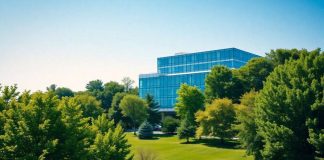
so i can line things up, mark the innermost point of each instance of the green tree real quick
(290, 108)
(254, 73)
(63, 92)
(217, 119)
(190, 99)
(128, 83)
(280, 56)
(186, 130)
(154, 116)
(115, 112)
(89, 105)
(169, 124)
(76, 132)
(109, 142)
(30, 131)
(145, 131)
(135, 108)
(247, 129)
(221, 83)
(110, 89)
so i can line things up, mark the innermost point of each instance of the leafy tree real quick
(190, 99)
(30, 131)
(169, 124)
(110, 89)
(89, 105)
(247, 129)
(115, 112)
(40, 126)
(280, 56)
(77, 131)
(52, 87)
(290, 108)
(217, 119)
(63, 92)
(95, 86)
(221, 83)
(186, 130)
(128, 83)
(110, 142)
(135, 108)
(254, 73)
(145, 131)
(154, 117)
(134, 91)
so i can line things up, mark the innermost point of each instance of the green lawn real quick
(171, 148)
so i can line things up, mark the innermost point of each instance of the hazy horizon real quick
(69, 43)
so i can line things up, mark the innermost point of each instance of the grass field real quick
(171, 148)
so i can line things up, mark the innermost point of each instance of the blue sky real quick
(72, 42)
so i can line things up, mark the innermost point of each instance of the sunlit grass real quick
(171, 148)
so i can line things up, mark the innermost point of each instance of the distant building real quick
(190, 68)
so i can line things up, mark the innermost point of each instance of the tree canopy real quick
(290, 108)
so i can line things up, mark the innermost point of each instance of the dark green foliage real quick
(110, 89)
(290, 108)
(154, 116)
(115, 112)
(221, 83)
(169, 124)
(280, 56)
(186, 130)
(145, 131)
(63, 92)
(254, 72)
(247, 129)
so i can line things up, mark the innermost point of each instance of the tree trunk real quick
(187, 139)
(134, 129)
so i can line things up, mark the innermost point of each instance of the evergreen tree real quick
(145, 131)
(290, 109)
(154, 117)
(186, 130)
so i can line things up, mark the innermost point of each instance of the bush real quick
(169, 124)
(145, 131)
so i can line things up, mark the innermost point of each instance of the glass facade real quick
(190, 68)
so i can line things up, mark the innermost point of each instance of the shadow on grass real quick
(229, 144)
(158, 136)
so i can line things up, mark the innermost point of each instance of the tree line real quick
(274, 105)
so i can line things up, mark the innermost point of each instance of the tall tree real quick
(290, 109)
(89, 105)
(221, 83)
(254, 73)
(247, 129)
(217, 119)
(154, 116)
(110, 142)
(128, 83)
(280, 56)
(63, 92)
(135, 108)
(115, 112)
(190, 100)
(110, 89)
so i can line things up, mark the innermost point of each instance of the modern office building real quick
(190, 68)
